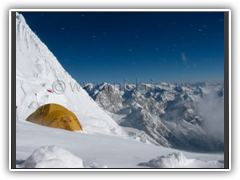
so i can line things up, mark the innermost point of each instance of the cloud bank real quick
(211, 108)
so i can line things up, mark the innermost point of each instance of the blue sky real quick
(113, 46)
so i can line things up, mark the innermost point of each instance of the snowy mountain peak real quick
(39, 60)
(20, 18)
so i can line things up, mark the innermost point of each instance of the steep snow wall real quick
(37, 70)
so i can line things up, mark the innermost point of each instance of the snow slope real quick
(37, 70)
(101, 150)
(102, 143)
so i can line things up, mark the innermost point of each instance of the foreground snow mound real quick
(52, 157)
(178, 160)
(172, 160)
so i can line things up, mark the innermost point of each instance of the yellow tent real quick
(56, 116)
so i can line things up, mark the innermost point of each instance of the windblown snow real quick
(101, 144)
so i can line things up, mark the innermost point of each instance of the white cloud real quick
(184, 57)
(211, 109)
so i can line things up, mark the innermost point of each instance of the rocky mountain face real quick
(169, 115)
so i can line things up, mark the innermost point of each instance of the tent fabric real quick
(56, 116)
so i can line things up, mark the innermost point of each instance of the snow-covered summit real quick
(20, 17)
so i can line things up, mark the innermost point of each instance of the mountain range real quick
(170, 115)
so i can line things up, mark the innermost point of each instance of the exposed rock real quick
(165, 114)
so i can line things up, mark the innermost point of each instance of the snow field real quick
(101, 150)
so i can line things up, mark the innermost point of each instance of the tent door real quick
(66, 118)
